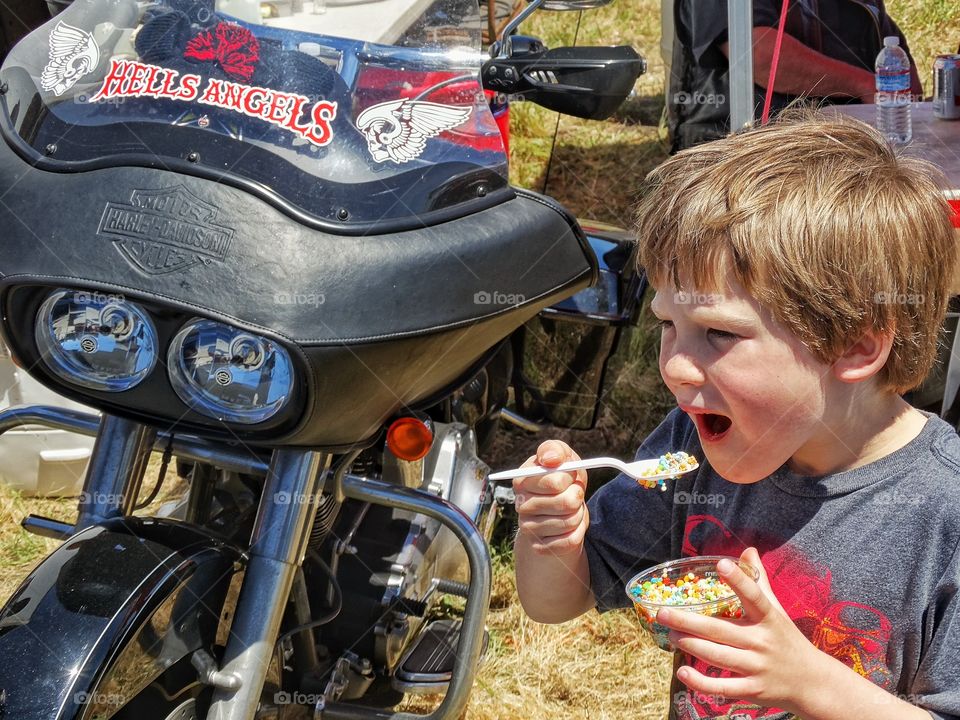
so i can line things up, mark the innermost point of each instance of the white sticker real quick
(397, 130)
(73, 54)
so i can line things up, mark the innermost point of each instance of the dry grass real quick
(20, 551)
(599, 666)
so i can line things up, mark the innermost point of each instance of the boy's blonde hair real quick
(820, 221)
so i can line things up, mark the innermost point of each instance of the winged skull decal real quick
(397, 130)
(73, 54)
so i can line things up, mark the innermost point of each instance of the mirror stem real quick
(501, 48)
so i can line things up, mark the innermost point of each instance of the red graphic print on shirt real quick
(854, 633)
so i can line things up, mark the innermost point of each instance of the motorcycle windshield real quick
(347, 110)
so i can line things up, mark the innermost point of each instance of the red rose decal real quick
(232, 47)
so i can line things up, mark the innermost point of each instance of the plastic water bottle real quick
(893, 92)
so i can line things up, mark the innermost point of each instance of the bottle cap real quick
(891, 41)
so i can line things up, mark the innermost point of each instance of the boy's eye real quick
(722, 334)
(664, 324)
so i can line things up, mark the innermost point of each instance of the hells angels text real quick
(290, 111)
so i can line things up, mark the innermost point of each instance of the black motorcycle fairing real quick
(107, 613)
(394, 317)
(320, 414)
(202, 245)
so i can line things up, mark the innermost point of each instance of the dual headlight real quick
(103, 342)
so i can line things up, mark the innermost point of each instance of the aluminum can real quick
(946, 87)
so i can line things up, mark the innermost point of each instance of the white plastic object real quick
(636, 469)
(892, 84)
(35, 460)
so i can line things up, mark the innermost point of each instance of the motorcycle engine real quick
(393, 566)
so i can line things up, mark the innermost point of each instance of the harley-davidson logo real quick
(163, 231)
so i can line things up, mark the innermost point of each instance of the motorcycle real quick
(277, 244)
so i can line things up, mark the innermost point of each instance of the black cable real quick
(556, 129)
(164, 464)
(335, 610)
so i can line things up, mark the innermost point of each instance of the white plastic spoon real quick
(638, 469)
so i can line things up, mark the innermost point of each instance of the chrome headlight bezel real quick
(106, 319)
(231, 356)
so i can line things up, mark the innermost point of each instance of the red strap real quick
(765, 117)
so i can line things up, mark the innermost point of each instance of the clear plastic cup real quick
(726, 606)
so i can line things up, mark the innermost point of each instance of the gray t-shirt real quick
(865, 562)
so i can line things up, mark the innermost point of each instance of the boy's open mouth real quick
(712, 426)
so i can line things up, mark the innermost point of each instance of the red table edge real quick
(955, 205)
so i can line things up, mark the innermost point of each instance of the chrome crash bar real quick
(121, 450)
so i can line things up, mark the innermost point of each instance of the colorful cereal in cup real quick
(690, 584)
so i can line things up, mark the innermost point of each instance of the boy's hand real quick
(550, 507)
(775, 663)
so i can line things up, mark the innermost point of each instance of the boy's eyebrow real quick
(708, 315)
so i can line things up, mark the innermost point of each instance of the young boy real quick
(801, 274)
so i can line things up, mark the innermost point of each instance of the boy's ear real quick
(864, 358)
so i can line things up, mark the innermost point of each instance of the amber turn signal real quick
(409, 438)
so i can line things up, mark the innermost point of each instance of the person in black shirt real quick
(829, 48)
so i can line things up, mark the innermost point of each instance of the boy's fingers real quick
(716, 654)
(553, 452)
(562, 543)
(719, 630)
(752, 558)
(717, 686)
(548, 526)
(752, 597)
(551, 484)
(567, 502)
(530, 461)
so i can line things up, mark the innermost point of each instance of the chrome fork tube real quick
(115, 471)
(277, 548)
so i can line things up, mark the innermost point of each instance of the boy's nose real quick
(680, 369)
